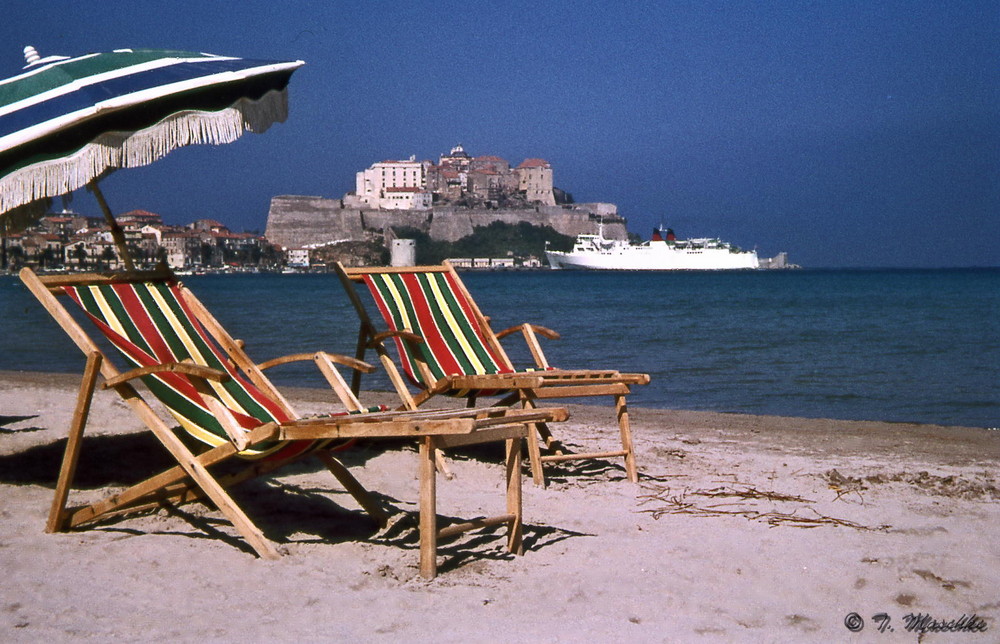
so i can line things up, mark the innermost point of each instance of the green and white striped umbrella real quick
(67, 122)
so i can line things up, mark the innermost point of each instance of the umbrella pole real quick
(116, 231)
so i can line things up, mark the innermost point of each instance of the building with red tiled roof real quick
(535, 181)
(405, 198)
(141, 217)
(209, 225)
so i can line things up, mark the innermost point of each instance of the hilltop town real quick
(440, 203)
(444, 201)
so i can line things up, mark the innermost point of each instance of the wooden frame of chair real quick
(191, 480)
(524, 387)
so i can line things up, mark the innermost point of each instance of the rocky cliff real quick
(296, 221)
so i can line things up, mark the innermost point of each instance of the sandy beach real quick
(743, 528)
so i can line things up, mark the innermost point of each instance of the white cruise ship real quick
(664, 252)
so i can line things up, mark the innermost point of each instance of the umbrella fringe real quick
(135, 149)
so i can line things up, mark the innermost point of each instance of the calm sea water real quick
(892, 345)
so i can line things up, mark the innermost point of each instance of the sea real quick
(901, 346)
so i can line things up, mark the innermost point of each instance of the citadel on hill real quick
(447, 201)
(452, 205)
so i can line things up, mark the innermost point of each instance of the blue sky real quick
(846, 133)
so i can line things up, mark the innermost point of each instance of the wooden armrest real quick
(378, 338)
(545, 332)
(531, 333)
(185, 368)
(352, 363)
(358, 426)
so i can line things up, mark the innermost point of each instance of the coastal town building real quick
(139, 218)
(76, 242)
(182, 248)
(297, 257)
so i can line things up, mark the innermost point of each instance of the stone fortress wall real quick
(295, 221)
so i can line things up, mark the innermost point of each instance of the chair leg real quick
(535, 457)
(534, 450)
(174, 485)
(551, 442)
(233, 512)
(514, 501)
(621, 407)
(72, 454)
(187, 464)
(351, 484)
(442, 464)
(214, 490)
(428, 510)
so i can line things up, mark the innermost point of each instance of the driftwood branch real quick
(666, 501)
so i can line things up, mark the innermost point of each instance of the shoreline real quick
(743, 528)
(734, 421)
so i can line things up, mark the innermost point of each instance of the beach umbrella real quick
(67, 122)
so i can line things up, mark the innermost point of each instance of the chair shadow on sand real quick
(13, 420)
(287, 512)
(584, 472)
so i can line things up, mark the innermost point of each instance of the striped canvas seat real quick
(151, 324)
(445, 345)
(433, 306)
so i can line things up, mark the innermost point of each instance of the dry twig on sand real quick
(679, 504)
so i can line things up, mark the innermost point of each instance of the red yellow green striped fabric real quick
(435, 308)
(150, 324)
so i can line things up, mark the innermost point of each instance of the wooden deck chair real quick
(214, 391)
(445, 346)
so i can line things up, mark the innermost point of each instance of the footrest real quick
(475, 524)
(577, 457)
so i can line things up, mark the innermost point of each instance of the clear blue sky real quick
(846, 133)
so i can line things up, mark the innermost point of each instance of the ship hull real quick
(653, 258)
